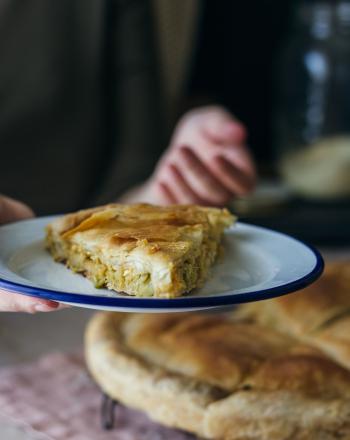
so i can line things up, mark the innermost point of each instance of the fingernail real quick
(236, 129)
(229, 127)
(45, 307)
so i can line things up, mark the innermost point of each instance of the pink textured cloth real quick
(55, 399)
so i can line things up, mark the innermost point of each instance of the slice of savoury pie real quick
(140, 249)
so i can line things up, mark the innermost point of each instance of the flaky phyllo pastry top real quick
(141, 250)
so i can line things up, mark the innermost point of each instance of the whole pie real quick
(240, 376)
(140, 249)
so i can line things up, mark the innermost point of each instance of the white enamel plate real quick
(258, 263)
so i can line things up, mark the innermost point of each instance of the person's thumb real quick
(12, 210)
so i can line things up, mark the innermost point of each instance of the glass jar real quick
(312, 119)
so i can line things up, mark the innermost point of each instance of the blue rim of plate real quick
(181, 302)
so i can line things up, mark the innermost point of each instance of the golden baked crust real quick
(141, 250)
(309, 309)
(318, 315)
(200, 346)
(217, 378)
(334, 339)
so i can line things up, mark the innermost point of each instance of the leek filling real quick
(123, 278)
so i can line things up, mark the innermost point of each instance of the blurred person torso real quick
(80, 95)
